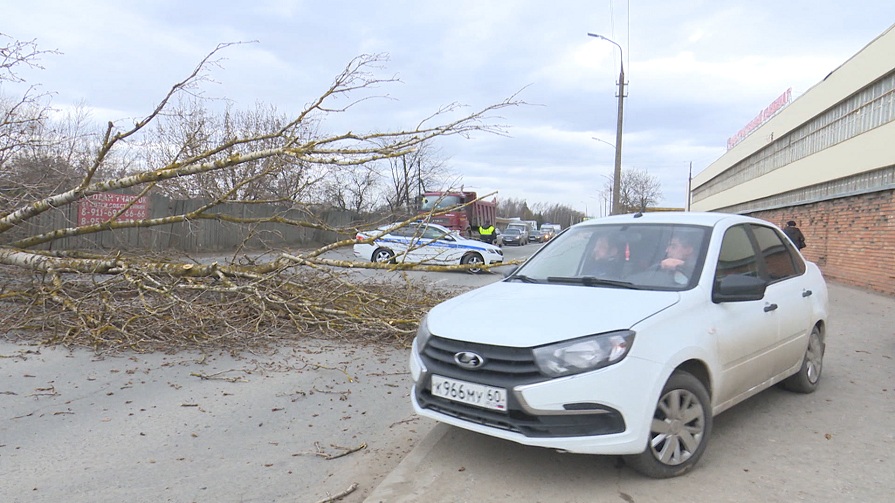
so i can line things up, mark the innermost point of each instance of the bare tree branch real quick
(130, 299)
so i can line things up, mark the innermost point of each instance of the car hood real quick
(526, 315)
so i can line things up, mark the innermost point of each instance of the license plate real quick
(480, 395)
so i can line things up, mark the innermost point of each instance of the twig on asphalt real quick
(337, 497)
(343, 395)
(342, 370)
(216, 376)
(346, 451)
(404, 421)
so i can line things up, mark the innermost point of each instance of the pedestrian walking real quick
(794, 234)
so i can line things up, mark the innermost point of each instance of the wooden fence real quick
(192, 236)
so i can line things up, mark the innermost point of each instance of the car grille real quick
(501, 363)
(506, 367)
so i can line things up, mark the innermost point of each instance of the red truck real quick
(464, 220)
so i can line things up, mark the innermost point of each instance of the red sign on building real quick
(761, 118)
(99, 208)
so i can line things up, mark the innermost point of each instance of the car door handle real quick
(807, 293)
(770, 307)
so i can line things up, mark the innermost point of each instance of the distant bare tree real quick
(412, 174)
(21, 117)
(355, 190)
(556, 214)
(638, 190)
(188, 129)
(512, 207)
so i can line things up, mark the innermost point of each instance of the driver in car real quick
(605, 260)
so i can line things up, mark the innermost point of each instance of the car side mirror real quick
(738, 288)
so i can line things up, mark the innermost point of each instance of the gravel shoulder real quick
(79, 427)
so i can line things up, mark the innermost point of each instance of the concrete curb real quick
(403, 483)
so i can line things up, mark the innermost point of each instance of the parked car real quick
(553, 227)
(422, 242)
(659, 322)
(545, 235)
(523, 227)
(513, 236)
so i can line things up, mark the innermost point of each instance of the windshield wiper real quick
(522, 277)
(592, 281)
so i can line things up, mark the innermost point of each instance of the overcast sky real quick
(698, 71)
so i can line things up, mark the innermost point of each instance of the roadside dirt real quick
(322, 422)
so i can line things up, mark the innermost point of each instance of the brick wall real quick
(852, 239)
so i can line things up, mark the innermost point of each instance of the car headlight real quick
(422, 334)
(583, 354)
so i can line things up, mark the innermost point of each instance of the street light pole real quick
(616, 181)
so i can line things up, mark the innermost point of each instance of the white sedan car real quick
(424, 243)
(658, 322)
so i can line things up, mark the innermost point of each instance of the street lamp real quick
(604, 141)
(606, 197)
(616, 182)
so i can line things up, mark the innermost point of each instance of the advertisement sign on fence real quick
(99, 208)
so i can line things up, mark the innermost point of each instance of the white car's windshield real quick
(643, 256)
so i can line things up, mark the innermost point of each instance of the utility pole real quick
(617, 175)
(689, 184)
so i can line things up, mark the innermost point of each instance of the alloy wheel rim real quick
(678, 427)
(814, 358)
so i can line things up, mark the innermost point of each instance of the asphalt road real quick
(80, 427)
(835, 445)
(300, 422)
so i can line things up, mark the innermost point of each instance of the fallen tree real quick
(129, 299)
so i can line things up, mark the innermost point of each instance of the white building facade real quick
(827, 161)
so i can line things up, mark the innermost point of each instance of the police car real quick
(424, 243)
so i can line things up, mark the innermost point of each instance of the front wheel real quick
(474, 259)
(680, 429)
(807, 378)
(383, 256)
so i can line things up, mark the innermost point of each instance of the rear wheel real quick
(806, 379)
(383, 255)
(474, 259)
(680, 429)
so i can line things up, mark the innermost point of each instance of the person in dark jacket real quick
(606, 259)
(794, 234)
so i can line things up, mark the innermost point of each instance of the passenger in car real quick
(680, 255)
(606, 259)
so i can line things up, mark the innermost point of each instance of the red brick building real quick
(852, 239)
